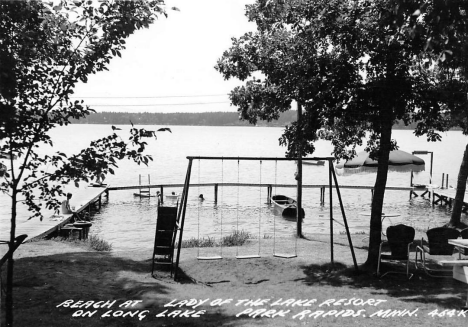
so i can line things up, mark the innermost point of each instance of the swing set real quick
(184, 198)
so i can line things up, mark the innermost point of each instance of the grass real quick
(355, 233)
(93, 242)
(89, 275)
(197, 242)
(237, 238)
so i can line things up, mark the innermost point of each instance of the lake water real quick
(128, 222)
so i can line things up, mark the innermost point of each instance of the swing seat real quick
(215, 257)
(253, 256)
(285, 256)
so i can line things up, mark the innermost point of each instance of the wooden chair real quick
(164, 240)
(400, 237)
(437, 246)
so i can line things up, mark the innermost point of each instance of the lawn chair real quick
(437, 246)
(400, 237)
(164, 240)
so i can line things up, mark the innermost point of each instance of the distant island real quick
(191, 119)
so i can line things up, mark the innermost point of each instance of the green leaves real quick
(45, 50)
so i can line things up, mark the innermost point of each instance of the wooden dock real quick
(268, 186)
(446, 197)
(82, 200)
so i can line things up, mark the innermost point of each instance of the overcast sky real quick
(173, 62)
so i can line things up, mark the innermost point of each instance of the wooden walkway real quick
(268, 186)
(82, 200)
(446, 197)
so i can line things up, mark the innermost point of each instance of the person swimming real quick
(200, 197)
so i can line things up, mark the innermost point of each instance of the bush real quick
(195, 242)
(234, 239)
(99, 244)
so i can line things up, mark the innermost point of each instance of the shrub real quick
(236, 238)
(98, 244)
(195, 242)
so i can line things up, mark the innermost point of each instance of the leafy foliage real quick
(47, 48)
(356, 67)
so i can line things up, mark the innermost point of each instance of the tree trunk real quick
(460, 195)
(375, 234)
(299, 216)
(10, 263)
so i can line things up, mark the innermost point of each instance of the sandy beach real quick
(64, 284)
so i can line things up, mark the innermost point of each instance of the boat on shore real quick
(286, 206)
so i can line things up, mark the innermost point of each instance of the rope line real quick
(260, 210)
(199, 209)
(274, 216)
(237, 207)
(221, 209)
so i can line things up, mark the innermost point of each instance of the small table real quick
(460, 267)
(384, 215)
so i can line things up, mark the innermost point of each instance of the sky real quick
(170, 66)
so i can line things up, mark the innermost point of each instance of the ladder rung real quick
(162, 263)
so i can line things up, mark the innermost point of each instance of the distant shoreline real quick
(228, 119)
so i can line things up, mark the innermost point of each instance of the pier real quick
(268, 186)
(446, 197)
(83, 199)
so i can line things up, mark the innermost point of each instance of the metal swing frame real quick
(332, 177)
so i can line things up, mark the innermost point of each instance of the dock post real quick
(162, 194)
(100, 202)
(446, 181)
(443, 177)
(216, 193)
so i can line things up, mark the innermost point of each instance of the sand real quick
(117, 289)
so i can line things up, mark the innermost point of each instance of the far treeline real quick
(191, 119)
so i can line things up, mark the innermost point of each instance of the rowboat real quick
(314, 162)
(285, 205)
(145, 194)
